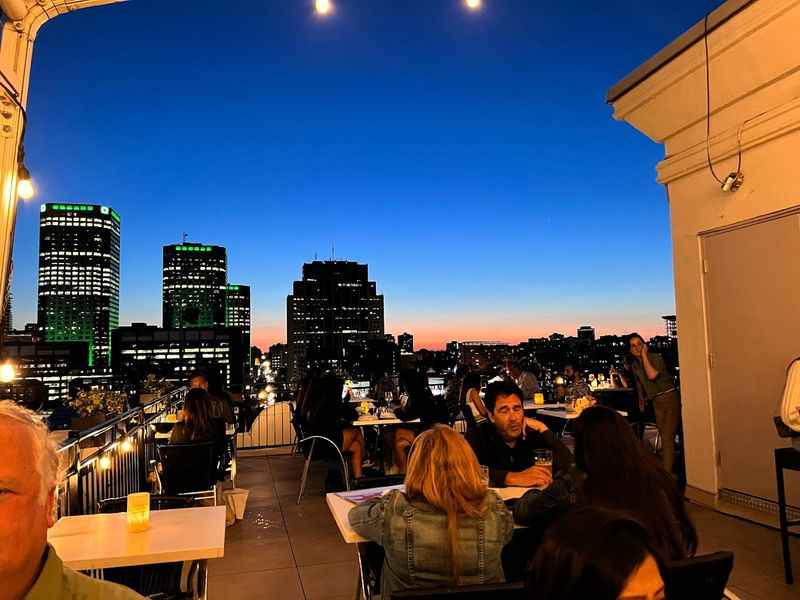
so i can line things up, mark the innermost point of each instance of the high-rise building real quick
(586, 333)
(194, 286)
(237, 312)
(79, 277)
(406, 343)
(672, 326)
(173, 353)
(332, 314)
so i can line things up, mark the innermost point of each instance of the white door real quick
(752, 286)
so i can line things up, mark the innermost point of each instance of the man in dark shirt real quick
(507, 443)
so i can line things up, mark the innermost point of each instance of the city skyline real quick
(484, 209)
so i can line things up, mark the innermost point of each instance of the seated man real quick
(507, 443)
(29, 567)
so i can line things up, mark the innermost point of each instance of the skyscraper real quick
(194, 284)
(79, 276)
(586, 333)
(406, 343)
(237, 314)
(672, 326)
(332, 314)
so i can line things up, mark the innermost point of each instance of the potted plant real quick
(95, 406)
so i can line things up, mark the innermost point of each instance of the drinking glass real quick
(485, 475)
(543, 458)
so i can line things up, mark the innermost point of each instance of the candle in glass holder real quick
(538, 398)
(138, 512)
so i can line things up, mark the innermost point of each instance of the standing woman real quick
(447, 528)
(655, 384)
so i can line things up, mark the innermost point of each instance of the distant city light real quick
(473, 4)
(323, 7)
(7, 372)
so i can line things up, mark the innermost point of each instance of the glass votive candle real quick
(538, 398)
(138, 512)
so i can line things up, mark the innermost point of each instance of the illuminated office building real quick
(332, 315)
(79, 277)
(194, 284)
(406, 343)
(237, 314)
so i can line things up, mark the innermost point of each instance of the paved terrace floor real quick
(289, 552)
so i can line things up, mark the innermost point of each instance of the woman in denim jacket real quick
(447, 528)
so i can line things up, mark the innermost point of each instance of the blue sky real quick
(469, 159)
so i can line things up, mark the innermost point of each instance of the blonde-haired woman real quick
(447, 528)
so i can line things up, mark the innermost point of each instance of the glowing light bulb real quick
(25, 189)
(105, 462)
(473, 4)
(126, 445)
(323, 7)
(7, 372)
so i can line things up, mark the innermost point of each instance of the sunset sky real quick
(469, 158)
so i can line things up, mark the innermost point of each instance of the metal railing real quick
(111, 459)
(267, 427)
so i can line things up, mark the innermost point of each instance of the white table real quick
(563, 414)
(340, 507)
(102, 541)
(531, 405)
(373, 421)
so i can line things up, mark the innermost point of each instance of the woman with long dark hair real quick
(598, 554)
(417, 403)
(621, 474)
(196, 423)
(614, 470)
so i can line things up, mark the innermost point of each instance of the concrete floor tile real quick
(278, 584)
(325, 582)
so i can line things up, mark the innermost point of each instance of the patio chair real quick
(327, 443)
(699, 578)
(162, 581)
(190, 470)
(488, 591)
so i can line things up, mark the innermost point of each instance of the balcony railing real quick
(111, 459)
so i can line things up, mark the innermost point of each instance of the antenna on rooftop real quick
(333, 250)
(185, 235)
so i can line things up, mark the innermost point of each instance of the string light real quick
(126, 445)
(323, 7)
(105, 462)
(473, 4)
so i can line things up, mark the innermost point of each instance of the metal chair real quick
(487, 591)
(190, 470)
(699, 578)
(313, 439)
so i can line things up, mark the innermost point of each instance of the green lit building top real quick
(195, 277)
(79, 276)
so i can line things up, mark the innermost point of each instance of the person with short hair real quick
(525, 380)
(508, 441)
(30, 569)
(598, 554)
(446, 528)
(576, 386)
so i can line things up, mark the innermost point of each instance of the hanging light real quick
(7, 372)
(126, 445)
(323, 7)
(474, 4)
(25, 188)
(105, 462)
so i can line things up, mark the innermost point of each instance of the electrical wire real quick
(708, 115)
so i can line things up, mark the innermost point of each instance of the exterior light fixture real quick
(126, 445)
(105, 462)
(7, 372)
(25, 189)
(323, 7)
(474, 4)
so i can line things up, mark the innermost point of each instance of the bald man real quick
(29, 568)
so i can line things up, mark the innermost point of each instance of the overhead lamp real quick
(474, 4)
(8, 372)
(25, 189)
(323, 7)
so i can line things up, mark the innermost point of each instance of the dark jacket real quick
(182, 434)
(429, 409)
(501, 459)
